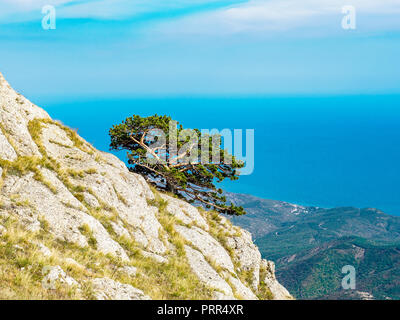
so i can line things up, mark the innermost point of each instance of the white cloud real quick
(291, 13)
(97, 9)
(17, 10)
(273, 15)
(27, 5)
(258, 10)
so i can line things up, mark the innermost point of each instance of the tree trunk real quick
(169, 187)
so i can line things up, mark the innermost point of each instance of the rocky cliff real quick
(75, 223)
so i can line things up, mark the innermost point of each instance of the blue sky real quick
(200, 47)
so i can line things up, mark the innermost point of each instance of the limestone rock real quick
(119, 229)
(217, 295)
(247, 255)
(278, 291)
(206, 273)
(55, 275)
(65, 221)
(185, 212)
(154, 256)
(91, 200)
(241, 290)
(7, 152)
(107, 289)
(128, 270)
(44, 250)
(208, 246)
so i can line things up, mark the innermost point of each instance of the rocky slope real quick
(310, 246)
(75, 223)
(316, 273)
(282, 229)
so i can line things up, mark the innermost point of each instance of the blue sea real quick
(324, 151)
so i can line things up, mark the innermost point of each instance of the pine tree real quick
(182, 161)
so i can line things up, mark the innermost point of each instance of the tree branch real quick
(143, 145)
